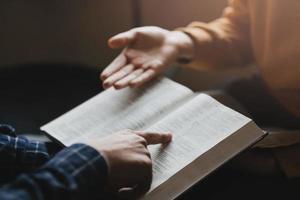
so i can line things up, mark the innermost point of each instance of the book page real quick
(112, 111)
(197, 126)
(206, 163)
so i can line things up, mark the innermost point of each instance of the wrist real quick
(184, 45)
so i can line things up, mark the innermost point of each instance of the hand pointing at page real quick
(129, 160)
(147, 51)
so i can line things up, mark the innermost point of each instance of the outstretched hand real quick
(147, 51)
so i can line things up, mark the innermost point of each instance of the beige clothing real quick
(263, 31)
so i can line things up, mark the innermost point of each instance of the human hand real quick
(147, 52)
(129, 160)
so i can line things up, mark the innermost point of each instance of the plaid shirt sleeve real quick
(77, 172)
(18, 154)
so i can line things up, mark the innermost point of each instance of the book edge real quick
(156, 193)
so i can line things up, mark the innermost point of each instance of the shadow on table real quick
(233, 185)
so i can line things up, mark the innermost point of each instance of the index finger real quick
(155, 138)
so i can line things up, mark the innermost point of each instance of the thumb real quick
(122, 39)
(137, 191)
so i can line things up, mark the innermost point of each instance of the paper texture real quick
(206, 163)
(197, 126)
(112, 111)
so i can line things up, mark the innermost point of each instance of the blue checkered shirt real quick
(28, 171)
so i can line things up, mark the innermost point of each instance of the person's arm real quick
(77, 172)
(148, 51)
(224, 42)
(18, 154)
(83, 170)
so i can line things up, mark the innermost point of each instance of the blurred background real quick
(76, 31)
(51, 52)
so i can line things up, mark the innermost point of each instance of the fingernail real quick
(103, 77)
(109, 42)
(169, 137)
(118, 87)
(106, 85)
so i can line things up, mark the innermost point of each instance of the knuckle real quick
(142, 141)
(147, 153)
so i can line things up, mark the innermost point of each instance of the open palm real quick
(147, 52)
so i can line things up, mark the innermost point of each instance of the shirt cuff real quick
(203, 36)
(21, 154)
(83, 168)
(33, 153)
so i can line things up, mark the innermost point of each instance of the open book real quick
(206, 133)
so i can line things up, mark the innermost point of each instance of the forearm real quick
(77, 172)
(224, 42)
